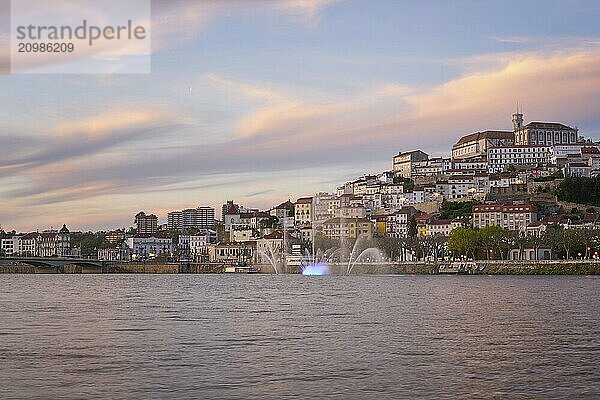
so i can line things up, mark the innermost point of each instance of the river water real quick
(295, 337)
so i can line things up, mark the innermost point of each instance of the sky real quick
(259, 101)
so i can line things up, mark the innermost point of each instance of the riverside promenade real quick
(497, 267)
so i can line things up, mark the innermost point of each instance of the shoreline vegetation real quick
(571, 267)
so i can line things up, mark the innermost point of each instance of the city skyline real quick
(262, 101)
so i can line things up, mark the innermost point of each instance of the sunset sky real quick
(264, 100)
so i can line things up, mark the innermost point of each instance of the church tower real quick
(517, 120)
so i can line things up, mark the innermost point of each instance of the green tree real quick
(412, 228)
(457, 209)
(464, 241)
(493, 238)
(580, 190)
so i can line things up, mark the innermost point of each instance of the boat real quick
(460, 267)
(241, 269)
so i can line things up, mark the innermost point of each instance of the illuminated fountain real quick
(320, 262)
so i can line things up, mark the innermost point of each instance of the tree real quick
(457, 209)
(580, 190)
(412, 228)
(493, 237)
(519, 240)
(464, 241)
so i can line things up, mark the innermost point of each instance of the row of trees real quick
(487, 243)
(495, 242)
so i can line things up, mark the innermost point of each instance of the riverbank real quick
(562, 267)
(419, 268)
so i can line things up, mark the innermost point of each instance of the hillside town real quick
(504, 194)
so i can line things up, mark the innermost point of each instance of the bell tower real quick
(517, 120)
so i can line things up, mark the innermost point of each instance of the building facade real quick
(508, 216)
(348, 228)
(543, 133)
(404, 163)
(150, 246)
(146, 224)
(519, 156)
(192, 218)
(303, 211)
(475, 145)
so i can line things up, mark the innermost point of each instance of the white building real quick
(196, 246)
(543, 133)
(150, 246)
(457, 187)
(50, 243)
(475, 145)
(397, 223)
(499, 158)
(12, 246)
(119, 252)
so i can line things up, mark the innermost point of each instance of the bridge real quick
(56, 265)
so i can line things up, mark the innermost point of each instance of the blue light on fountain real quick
(318, 269)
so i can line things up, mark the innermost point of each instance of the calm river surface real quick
(294, 337)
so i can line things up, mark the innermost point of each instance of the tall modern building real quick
(146, 224)
(198, 218)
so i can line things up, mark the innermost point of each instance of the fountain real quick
(368, 254)
(319, 262)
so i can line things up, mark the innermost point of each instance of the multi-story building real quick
(350, 211)
(504, 180)
(50, 243)
(439, 227)
(118, 252)
(543, 133)
(572, 170)
(150, 246)
(475, 145)
(146, 224)
(519, 156)
(284, 210)
(12, 245)
(348, 228)
(430, 169)
(457, 187)
(192, 218)
(512, 217)
(396, 224)
(195, 247)
(230, 208)
(475, 165)
(303, 211)
(562, 151)
(233, 253)
(404, 163)
(323, 206)
(115, 237)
